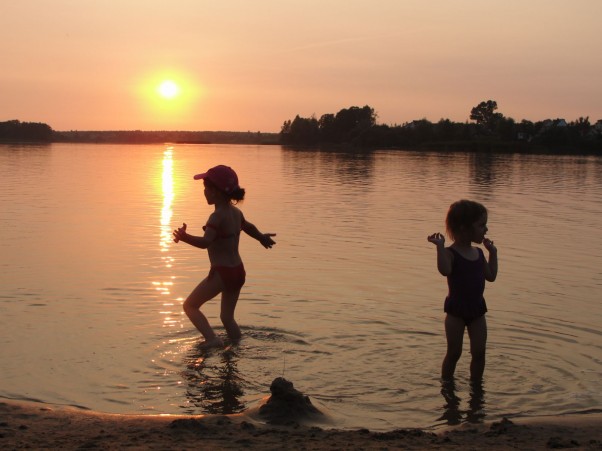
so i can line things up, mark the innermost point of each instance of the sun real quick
(168, 89)
(167, 97)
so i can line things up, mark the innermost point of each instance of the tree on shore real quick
(485, 116)
(25, 131)
(346, 126)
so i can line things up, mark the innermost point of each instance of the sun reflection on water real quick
(168, 195)
(164, 288)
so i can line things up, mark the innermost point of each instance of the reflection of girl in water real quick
(221, 238)
(452, 414)
(213, 382)
(466, 270)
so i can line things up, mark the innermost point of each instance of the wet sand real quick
(37, 425)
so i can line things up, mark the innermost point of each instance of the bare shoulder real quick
(215, 218)
(238, 214)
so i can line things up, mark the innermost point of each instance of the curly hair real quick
(462, 215)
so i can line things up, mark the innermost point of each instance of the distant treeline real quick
(16, 131)
(180, 137)
(490, 130)
(357, 128)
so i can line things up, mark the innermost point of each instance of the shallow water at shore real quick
(347, 305)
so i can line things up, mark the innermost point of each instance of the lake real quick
(348, 305)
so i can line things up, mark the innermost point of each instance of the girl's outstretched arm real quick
(444, 257)
(203, 242)
(491, 264)
(264, 238)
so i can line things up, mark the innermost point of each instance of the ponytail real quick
(237, 195)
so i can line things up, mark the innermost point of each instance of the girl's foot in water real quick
(215, 342)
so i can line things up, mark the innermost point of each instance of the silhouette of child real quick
(221, 238)
(466, 270)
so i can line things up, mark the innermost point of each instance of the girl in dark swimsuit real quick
(466, 269)
(221, 238)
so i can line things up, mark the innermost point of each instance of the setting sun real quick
(167, 97)
(168, 89)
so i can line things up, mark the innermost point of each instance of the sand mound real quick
(287, 405)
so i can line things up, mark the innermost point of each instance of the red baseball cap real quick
(223, 177)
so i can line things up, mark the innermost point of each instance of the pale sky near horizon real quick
(250, 65)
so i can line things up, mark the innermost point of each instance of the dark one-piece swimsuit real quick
(466, 285)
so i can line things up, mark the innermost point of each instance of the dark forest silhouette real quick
(356, 128)
(489, 130)
(25, 131)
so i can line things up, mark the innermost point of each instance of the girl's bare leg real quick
(454, 332)
(229, 300)
(477, 332)
(205, 291)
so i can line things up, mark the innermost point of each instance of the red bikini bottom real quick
(233, 277)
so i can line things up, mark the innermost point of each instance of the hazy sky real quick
(251, 64)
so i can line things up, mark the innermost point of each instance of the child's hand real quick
(489, 245)
(267, 241)
(179, 234)
(437, 239)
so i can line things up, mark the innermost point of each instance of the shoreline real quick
(28, 424)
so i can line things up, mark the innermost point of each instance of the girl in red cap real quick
(221, 238)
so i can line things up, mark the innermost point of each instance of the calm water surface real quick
(348, 305)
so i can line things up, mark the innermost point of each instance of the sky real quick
(242, 65)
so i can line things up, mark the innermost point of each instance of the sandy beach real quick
(282, 426)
